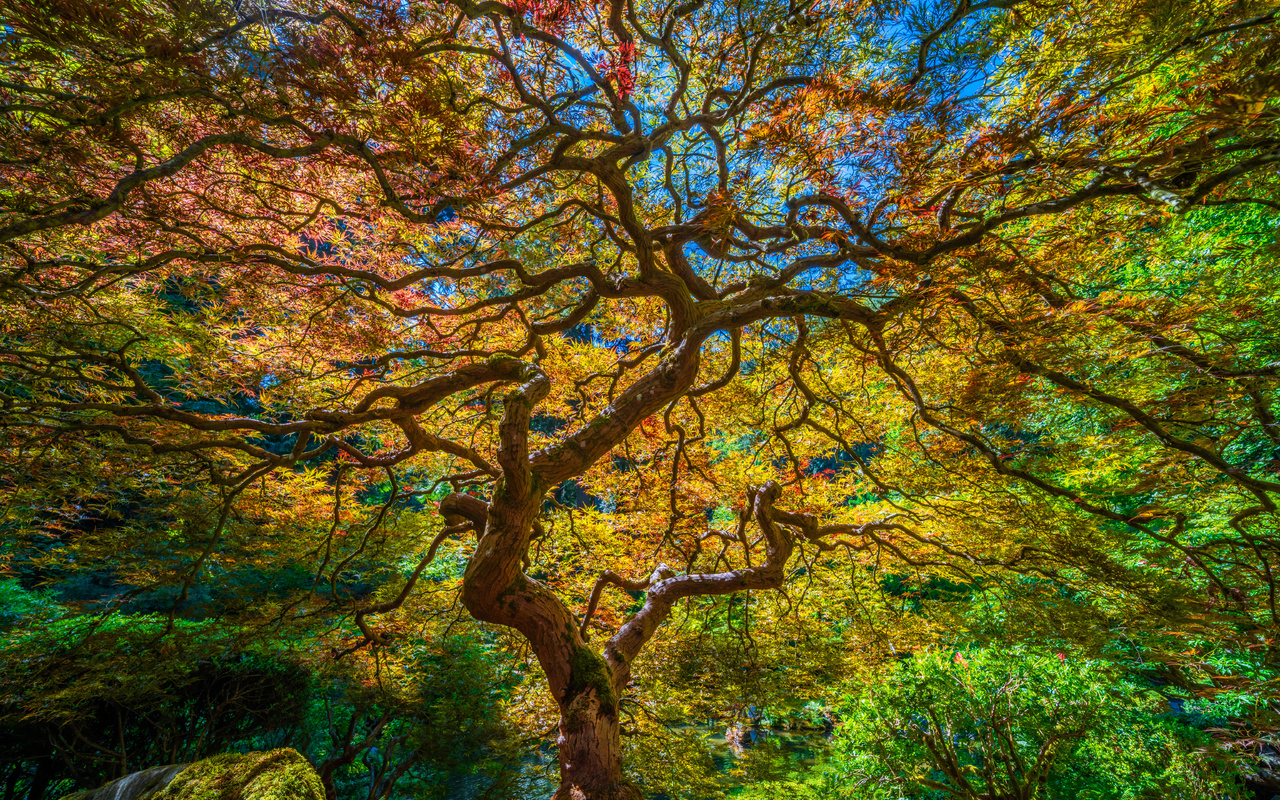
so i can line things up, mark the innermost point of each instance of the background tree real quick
(766, 285)
(1013, 725)
(85, 700)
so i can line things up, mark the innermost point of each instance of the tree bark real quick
(495, 589)
(585, 683)
(590, 745)
(585, 686)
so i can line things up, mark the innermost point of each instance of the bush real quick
(1014, 724)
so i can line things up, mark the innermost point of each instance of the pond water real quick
(795, 748)
(746, 755)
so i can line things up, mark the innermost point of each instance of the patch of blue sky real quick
(887, 49)
(440, 291)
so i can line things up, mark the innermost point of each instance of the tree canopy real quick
(824, 308)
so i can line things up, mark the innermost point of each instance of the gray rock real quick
(132, 786)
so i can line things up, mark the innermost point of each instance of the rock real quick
(132, 786)
(275, 775)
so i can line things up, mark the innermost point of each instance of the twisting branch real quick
(661, 572)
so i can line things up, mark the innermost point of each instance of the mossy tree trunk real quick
(590, 744)
(587, 683)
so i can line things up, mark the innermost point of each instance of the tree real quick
(84, 701)
(90, 701)
(862, 278)
(1017, 725)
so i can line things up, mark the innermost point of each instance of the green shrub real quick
(1013, 725)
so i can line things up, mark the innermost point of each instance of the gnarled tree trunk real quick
(586, 684)
(590, 741)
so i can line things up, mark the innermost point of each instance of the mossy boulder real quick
(274, 775)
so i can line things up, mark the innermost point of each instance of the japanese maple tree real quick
(772, 283)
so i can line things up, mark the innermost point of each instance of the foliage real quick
(1017, 723)
(769, 341)
(94, 698)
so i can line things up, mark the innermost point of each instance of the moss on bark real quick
(587, 670)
